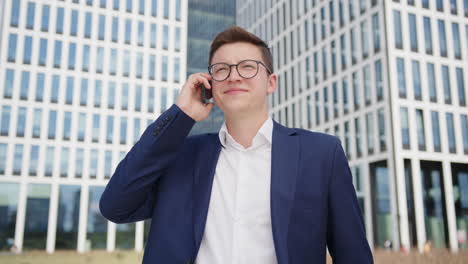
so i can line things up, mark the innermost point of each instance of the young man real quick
(256, 192)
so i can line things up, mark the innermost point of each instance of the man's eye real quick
(221, 70)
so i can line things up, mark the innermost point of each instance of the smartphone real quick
(207, 96)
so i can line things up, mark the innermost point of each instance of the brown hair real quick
(237, 34)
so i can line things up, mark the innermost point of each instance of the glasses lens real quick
(220, 71)
(248, 68)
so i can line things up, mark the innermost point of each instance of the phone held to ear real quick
(206, 94)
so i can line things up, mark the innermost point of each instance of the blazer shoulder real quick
(314, 136)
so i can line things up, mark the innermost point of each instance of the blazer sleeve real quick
(346, 238)
(129, 194)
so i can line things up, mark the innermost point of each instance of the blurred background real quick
(80, 80)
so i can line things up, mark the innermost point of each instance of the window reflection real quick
(68, 217)
(37, 215)
(8, 208)
(96, 234)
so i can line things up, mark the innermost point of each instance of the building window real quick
(101, 27)
(33, 160)
(27, 50)
(111, 95)
(367, 87)
(446, 83)
(40, 87)
(57, 53)
(154, 8)
(21, 122)
(141, 7)
(401, 77)
(128, 31)
(141, 33)
(376, 32)
(139, 65)
(67, 121)
(357, 129)
(420, 130)
(69, 90)
(178, 10)
(461, 87)
(405, 137)
(84, 92)
(115, 29)
(12, 42)
(435, 131)
(428, 35)
(64, 157)
(52, 124)
(15, 12)
(24, 89)
(138, 94)
(364, 39)
(397, 29)
(370, 132)
(36, 128)
(165, 37)
(166, 9)
(18, 159)
(97, 93)
(153, 36)
(413, 32)
(30, 15)
(356, 91)
(353, 47)
(123, 130)
(464, 127)
(42, 52)
(71, 56)
(177, 70)
(110, 129)
(124, 97)
(74, 23)
(163, 99)
(79, 163)
(49, 161)
(85, 60)
(378, 80)
(128, 6)
(126, 63)
(177, 39)
(451, 133)
(5, 120)
(59, 20)
(442, 38)
(100, 60)
(431, 82)
(416, 80)
(164, 68)
(343, 51)
(108, 164)
(88, 23)
(45, 18)
(382, 139)
(152, 67)
(345, 95)
(54, 92)
(95, 132)
(113, 62)
(456, 41)
(93, 163)
(9, 83)
(151, 99)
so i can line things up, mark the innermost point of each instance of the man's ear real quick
(272, 83)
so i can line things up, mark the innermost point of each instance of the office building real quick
(389, 79)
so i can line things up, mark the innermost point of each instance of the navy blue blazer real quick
(167, 177)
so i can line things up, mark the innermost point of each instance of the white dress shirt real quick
(238, 226)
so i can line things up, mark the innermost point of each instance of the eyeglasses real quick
(247, 69)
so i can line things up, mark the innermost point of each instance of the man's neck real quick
(243, 128)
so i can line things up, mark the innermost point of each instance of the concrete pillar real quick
(83, 218)
(418, 204)
(139, 226)
(450, 205)
(402, 203)
(52, 225)
(368, 206)
(111, 236)
(21, 215)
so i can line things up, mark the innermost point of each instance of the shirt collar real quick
(263, 136)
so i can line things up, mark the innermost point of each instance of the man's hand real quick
(189, 99)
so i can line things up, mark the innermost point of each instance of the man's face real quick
(237, 94)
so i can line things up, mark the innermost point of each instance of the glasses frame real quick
(237, 69)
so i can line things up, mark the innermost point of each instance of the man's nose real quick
(234, 76)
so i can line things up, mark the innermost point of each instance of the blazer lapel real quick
(203, 181)
(284, 168)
